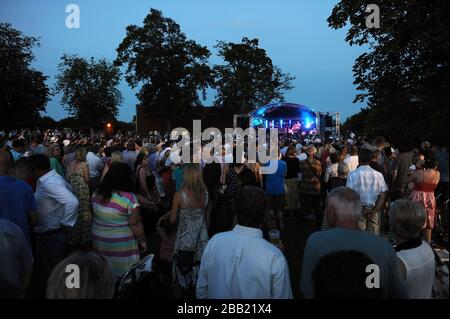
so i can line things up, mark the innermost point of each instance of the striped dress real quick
(111, 234)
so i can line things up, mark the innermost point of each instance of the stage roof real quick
(281, 110)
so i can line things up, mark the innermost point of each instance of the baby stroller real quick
(139, 282)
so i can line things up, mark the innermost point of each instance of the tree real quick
(404, 76)
(89, 89)
(248, 79)
(23, 92)
(170, 69)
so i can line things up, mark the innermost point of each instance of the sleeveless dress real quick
(81, 232)
(423, 194)
(227, 202)
(192, 235)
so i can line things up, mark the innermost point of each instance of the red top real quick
(425, 187)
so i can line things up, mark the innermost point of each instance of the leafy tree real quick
(248, 79)
(170, 70)
(23, 92)
(404, 75)
(90, 89)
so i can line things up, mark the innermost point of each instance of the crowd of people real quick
(98, 201)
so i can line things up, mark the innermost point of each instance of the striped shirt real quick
(111, 233)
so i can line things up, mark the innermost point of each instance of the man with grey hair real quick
(343, 211)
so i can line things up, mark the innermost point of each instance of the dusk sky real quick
(294, 33)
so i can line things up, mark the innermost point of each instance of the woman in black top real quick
(291, 179)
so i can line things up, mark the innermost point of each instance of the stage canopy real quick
(287, 116)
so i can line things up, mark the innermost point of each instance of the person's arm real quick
(26, 264)
(136, 226)
(105, 171)
(327, 175)
(309, 262)
(62, 195)
(281, 284)
(86, 174)
(208, 212)
(202, 281)
(143, 181)
(175, 208)
(380, 202)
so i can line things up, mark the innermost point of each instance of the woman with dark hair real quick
(229, 196)
(422, 183)
(117, 230)
(291, 179)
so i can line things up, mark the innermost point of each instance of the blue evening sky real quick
(294, 33)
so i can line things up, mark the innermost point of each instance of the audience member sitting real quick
(92, 279)
(342, 275)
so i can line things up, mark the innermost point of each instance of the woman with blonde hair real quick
(190, 209)
(78, 178)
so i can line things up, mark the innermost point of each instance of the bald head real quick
(343, 207)
(5, 162)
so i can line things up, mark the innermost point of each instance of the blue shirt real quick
(275, 181)
(16, 258)
(152, 161)
(16, 155)
(16, 202)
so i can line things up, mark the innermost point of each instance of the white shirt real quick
(331, 171)
(302, 157)
(55, 203)
(95, 164)
(241, 264)
(368, 183)
(420, 267)
(352, 162)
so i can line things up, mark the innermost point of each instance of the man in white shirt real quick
(95, 168)
(57, 211)
(353, 160)
(241, 264)
(129, 156)
(372, 188)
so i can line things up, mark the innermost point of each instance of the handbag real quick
(184, 259)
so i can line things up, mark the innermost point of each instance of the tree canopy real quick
(90, 89)
(248, 79)
(170, 70)
(404, 75)
(23, 91)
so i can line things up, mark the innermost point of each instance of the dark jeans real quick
(312, 203)
(49, 251)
